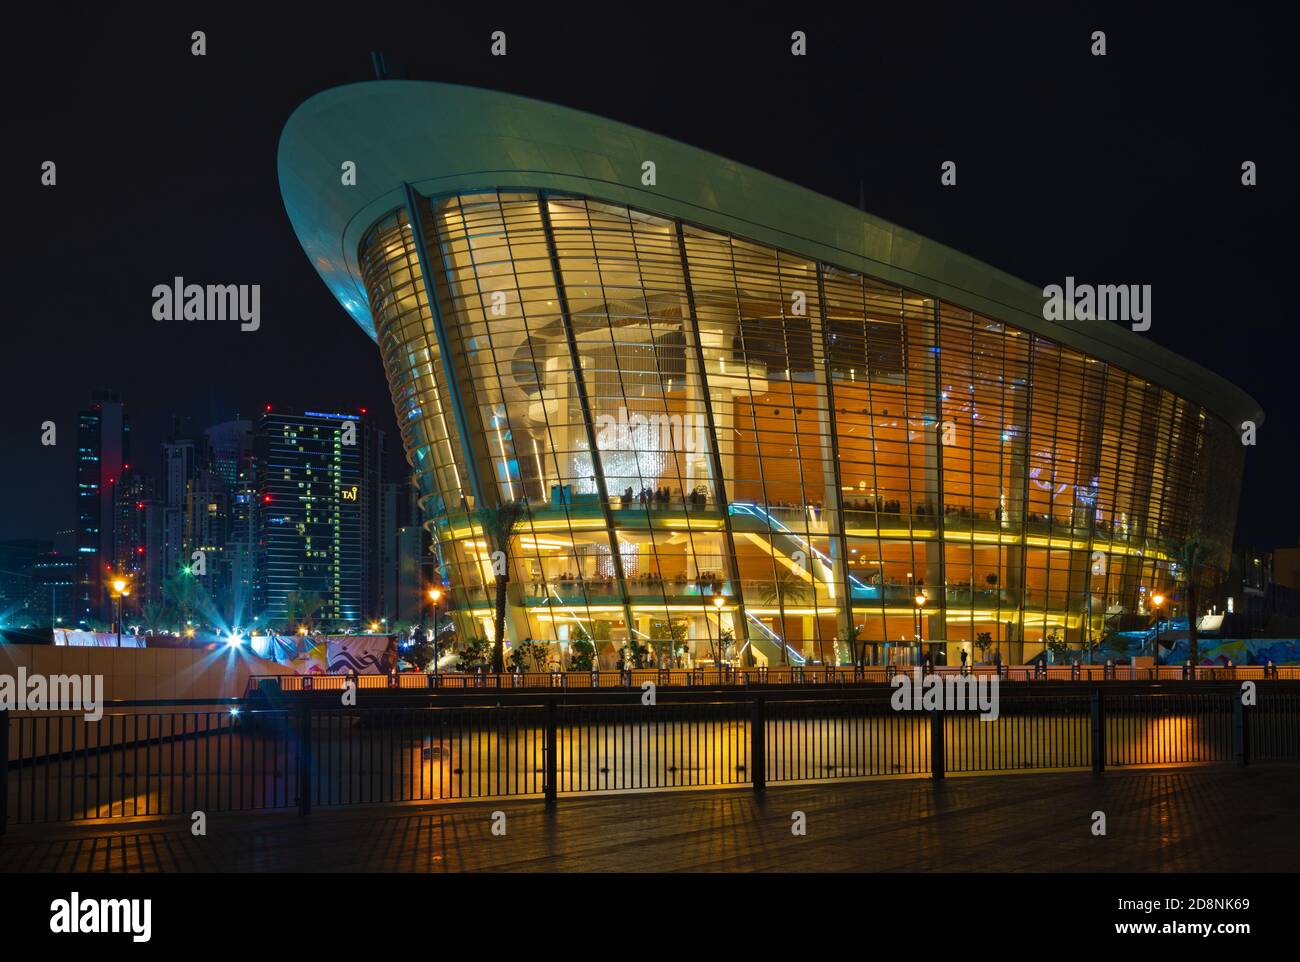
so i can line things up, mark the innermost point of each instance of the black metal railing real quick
(740, 677)
(169, 758)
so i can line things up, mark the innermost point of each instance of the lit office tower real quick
(21, 596)
(317, 509)
(138, 536)
(241, 540)
(230, 446)
(102, 450)
(181, 457)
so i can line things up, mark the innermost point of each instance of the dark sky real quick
(1122, 169)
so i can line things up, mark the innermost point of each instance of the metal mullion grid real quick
(428, 271)
(906, 323)
(992, 472)
(1055, 448)
(1005, 402)
(1162, 457)
(868, 379)
(758, 458)
(1080, 366)
(584, 399)
(409, 329)
(481, 367)
(526, 332)
(1112, 585)
(1150, 400)
(1124, 481)
(843, 574)
(1023, 534)
(677, 459)
(941, 512)
(413, 322)
(936, 351)
(721, 499)
(592, 233)
(806, 533)
(1095, 471)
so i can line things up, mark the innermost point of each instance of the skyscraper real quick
(318, 513)
(180, 463)
(102, 449)
(20, 595)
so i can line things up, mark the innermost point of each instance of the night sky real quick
(1117, 169)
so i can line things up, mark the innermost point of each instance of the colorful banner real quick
(363, 654)
(303, 653)
(76, 638)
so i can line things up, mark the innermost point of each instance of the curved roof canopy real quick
(445, 138)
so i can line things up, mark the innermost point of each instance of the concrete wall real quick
(136, 673)
(129, 674)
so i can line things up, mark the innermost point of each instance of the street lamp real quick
(121, 589)
(920, 601)
(1156, 601)
(435, 595)
(718, 602)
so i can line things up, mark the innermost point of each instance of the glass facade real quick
(746, 453)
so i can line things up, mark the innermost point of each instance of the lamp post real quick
(435, 595)
(920, 600)
(1157, 600)
(121, 589)
(718, 602)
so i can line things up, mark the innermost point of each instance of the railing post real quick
(758, 744)
(304, 759)
(937, 769)
(4, 769)
(552, 740)
(1098, 731)
(1240, 732)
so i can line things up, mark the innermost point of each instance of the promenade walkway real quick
(1183, 820)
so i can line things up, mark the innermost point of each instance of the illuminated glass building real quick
(737, 407)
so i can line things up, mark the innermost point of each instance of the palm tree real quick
(182, 593)
(849, 636)
(501, 525)
(303, 607)
(154, 616)
(1192, 555)
(790, 588)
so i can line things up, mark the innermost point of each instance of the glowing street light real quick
(435, 595)
(1157, 600)
(920, 601)
(121, 586)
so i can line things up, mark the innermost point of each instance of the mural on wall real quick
(303, 653)
(363, 654)
(1213, 651)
